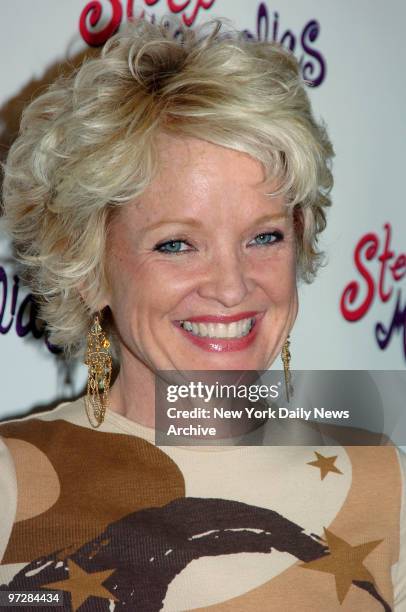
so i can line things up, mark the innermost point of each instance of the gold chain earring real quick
(286, 356)
(99, 363)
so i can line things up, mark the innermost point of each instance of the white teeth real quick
(232, 330)
(246, 325)
(195, 329)
(222, 331)
(237, 329)
(203, 329)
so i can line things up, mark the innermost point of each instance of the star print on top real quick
(326, 464)
(116, 523)
(81, 585)
(345, 562)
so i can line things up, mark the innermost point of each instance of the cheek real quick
(277, 276)
(142, 288)
(162, 285)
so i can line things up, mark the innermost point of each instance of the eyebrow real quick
(273, 218)
(181, 221)
(196, 223)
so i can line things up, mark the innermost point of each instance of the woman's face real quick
(201, 268)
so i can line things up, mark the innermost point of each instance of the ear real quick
(95, 299)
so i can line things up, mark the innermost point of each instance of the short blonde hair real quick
(88, 144)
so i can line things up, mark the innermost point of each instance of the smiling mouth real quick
(228, 331)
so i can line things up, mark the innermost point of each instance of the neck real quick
(133, 396)
(133, 393)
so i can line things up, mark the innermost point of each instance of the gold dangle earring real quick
(286, 363)
(99, 362)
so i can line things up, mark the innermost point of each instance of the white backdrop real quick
(354, 52)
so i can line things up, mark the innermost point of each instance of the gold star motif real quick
(82, 585)
(326, 464)
(344, 562)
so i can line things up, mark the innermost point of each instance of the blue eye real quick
(172, 246)
(267, 238)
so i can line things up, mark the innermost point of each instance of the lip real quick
(223, 345)
(222, 318)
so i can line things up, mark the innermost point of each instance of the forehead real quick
(188, 153)
(203, 164)
(202, 179)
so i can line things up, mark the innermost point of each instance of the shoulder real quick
(68, 411)
(32, 440)
(24, 460)
(8, 494)
(399, 571)
(401, 456)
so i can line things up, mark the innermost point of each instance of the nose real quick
(226, 280)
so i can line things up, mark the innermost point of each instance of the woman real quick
(165, 200)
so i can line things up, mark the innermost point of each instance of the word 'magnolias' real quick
(100, 20)
(205, 392)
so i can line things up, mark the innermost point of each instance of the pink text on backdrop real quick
(383, 286)
(92, 14)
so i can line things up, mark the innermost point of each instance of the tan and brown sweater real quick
(117, 523)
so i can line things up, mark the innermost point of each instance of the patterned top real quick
(116, 523)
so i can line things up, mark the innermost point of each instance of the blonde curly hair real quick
(88, 145)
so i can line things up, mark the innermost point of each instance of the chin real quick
(224, 361)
